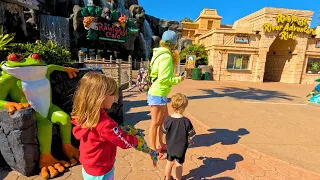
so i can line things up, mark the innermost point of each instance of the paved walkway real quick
(212, 157)
(269, 117)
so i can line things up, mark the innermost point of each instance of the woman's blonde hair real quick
(88, 99)
(175, 53)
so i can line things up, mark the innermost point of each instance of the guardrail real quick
(120, 70)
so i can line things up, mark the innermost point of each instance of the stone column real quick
(260, 65)
(300, 59)
(264, 45)
(130, 70)
(118, 61)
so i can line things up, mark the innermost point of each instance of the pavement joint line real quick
(262, 102)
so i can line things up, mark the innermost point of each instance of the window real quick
(313, 66)
(210, 25)
(238, 61)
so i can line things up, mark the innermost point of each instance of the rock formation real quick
(28, 25)
(13, 21)
(18, 139)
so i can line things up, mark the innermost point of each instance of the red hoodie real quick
(98, 146)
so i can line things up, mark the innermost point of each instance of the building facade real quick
(208, 20)
(272, 44)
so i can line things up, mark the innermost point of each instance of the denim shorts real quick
(156, 100)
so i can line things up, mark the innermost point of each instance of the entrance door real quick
(279, 65)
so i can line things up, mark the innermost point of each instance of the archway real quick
(279, 65)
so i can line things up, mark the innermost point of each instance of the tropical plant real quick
(315, 66)
(50, 52)
(199, 51)
(5, 39)
(186, 19)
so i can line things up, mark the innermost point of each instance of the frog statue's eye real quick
(37, 57)
(14, 57)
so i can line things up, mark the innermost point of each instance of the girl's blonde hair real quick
(91, 92)
(175, 53)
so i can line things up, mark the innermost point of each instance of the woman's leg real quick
(163, 118)
(156, 116)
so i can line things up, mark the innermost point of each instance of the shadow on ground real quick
(214, 166)
(223, 136)
(133, 118)
(245, 94)
(233, 92)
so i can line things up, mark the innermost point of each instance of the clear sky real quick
(230, 10)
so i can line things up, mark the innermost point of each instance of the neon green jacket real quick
(162, 72)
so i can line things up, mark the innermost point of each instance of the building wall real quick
(282, 66)
(220, 44)
(188, 30)
(207, 20)
(312, 52)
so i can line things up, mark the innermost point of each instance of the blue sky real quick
(229, 10)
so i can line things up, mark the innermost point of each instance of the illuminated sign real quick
(288, 25)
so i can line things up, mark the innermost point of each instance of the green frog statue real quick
(27, 82)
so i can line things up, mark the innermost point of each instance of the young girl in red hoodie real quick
(99, 135)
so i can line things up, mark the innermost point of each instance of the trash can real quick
(196, 74)
(206, 76)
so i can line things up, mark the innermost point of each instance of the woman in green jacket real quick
(162, 78)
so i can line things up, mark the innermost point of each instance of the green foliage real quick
(186, 20)
(93, 11)
(315, 66)
(50, 52)
(199, 51)
(5, 39)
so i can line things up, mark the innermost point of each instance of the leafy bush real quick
(199, 51)
(186, 20)
(50, 52)
(5, 39)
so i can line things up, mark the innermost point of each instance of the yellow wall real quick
(200, 26)
(263, 62)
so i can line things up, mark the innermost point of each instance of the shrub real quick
(50, 52)
(199, 51)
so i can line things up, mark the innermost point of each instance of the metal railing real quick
(120, 70)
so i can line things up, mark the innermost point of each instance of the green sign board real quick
(108, 25)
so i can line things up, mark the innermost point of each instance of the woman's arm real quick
(165, 74)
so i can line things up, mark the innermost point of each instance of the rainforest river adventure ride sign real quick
(288, 25)
(106, 24)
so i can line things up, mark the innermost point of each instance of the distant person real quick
(99, 135)
(162, 79)
(178, 130)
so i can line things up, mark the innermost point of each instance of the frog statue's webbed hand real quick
(72, 72)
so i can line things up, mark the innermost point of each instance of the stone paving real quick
(211, 157)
